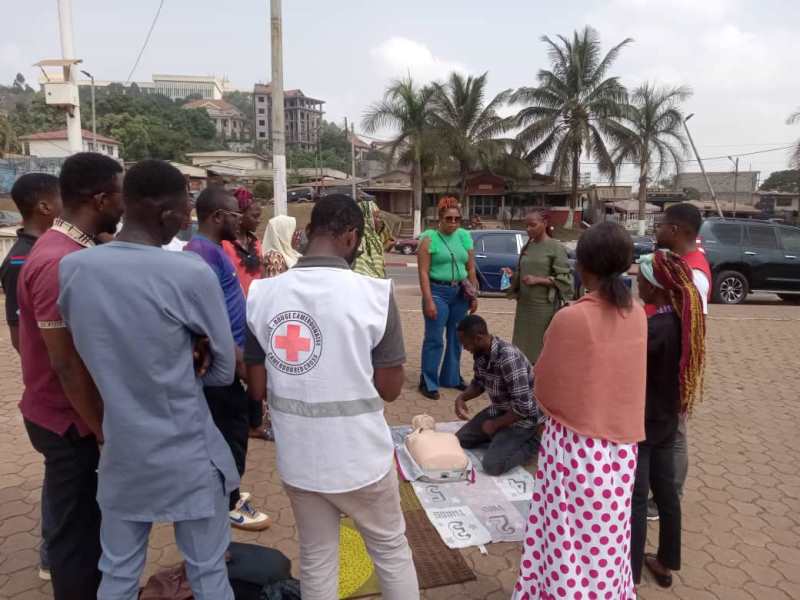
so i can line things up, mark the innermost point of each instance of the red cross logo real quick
(292, 343)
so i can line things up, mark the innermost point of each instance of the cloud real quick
(399, 56)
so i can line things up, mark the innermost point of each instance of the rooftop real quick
(61, 134)
(225, 154)
(261, 88)
(215, 105)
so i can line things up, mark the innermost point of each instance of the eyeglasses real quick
(234, 213)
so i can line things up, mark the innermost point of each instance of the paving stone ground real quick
(741, 509)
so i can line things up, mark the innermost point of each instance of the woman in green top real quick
(542, 282)
(447, 278)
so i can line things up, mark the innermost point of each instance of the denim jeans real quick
(441, 338)
(656, 470)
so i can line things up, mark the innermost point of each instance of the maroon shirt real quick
(43, 401)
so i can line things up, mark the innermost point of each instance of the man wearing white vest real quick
(327, 346)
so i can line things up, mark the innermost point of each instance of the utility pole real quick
(702, 168)
(353, 159)
(735, 183)
(74, 135)
(94, 113)
(278, 120)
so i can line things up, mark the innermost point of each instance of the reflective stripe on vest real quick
(317, 410)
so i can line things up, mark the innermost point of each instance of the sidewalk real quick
(741, 509)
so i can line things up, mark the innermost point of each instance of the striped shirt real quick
(507, 377)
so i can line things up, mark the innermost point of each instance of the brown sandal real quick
(653, 565)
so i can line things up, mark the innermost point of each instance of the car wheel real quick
(407, 250)
(730, 287)
(790, 298)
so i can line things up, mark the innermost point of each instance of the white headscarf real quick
(278, 238)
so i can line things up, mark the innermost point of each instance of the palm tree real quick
(467, 125)
(795, 118)
(655, 117)
(574, 109)
(409, 109)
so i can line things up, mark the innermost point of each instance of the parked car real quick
(643, 245)
(495, 250)
(184, 235)
(752, 256)
(10, 218)
(407, 246)
(300, 195)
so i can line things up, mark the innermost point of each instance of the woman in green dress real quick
(541, 284)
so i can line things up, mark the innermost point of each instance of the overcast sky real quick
(741, 57)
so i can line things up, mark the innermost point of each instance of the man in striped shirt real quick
(509, 427)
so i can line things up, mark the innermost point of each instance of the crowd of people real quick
(142, 401)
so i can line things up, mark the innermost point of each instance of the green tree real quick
(151, 126)
(574, 109)
(782, 181)
(8, 139)
(133, 133)
(407, 108)
(468, 125)
(658, 143)
(36, 115)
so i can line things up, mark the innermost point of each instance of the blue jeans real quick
(441, 338)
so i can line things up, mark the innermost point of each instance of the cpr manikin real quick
(438, 454)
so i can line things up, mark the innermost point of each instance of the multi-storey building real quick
(229, 120)
(175, 87)
(303, 116)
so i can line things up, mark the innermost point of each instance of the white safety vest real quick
(318, 327)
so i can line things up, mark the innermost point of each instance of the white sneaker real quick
(244, 516)
(44, 574)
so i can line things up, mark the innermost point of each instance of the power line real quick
(146, 41)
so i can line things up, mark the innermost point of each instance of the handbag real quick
(467, 289)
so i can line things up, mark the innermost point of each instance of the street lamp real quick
(735, 182)
(94, 114)
(702, 168)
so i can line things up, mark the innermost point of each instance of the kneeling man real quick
(510, 425)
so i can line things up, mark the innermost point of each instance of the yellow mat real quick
(436, 564)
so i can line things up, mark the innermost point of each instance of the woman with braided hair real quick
(675, 361)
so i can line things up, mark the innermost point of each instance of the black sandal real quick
(662, 580)
(428, 394)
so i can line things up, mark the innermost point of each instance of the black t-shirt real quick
(663, 376)
(9, 273)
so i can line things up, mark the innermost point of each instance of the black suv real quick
(752, 256)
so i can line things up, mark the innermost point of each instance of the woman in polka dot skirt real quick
(590, 382)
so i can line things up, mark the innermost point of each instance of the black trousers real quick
(230, 409)
(72, 533)
(656, 470)
(509, 448)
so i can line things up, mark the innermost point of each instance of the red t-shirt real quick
(697, 261)
(43, 401)
(245, 277)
